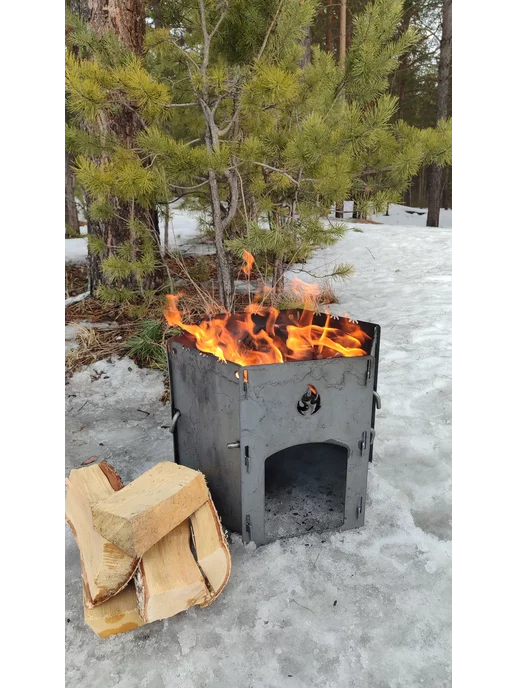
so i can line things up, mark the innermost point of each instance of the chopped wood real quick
(211, 549)
(106, 568)
(117, 615)
(142, 513)
(168, 580)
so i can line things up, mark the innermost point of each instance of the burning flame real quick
(266, 335)
(249, 261)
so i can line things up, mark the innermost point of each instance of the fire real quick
(249, 261)
(266, 335)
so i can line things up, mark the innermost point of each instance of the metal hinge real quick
(359, 506)
(368, 371)
(248, 526)
(371, 441)
(175, 416)
(247, 460)
(363, 443)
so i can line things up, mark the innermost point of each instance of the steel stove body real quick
(228, 419)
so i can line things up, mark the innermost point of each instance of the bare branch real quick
(183, 52)
(233, 204)
(173, 105)
(269, 30)
(217, 25)
(275, 169)
(189, 188)
(207, 40)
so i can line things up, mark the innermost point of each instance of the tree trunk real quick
(404, 62)
(349, 28)
(329, 33)
(443, 76)
(342, 32)
(307, 48)
(339, 206)
(125, 18)
(71, 215)
(81, 8)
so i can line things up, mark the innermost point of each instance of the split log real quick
(117, 615)
(106, 568)
(211, 549)
(143, 512)
(168, 580)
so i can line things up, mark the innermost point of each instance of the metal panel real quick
(206, 392)
(270, 421)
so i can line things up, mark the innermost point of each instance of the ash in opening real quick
(305, 488)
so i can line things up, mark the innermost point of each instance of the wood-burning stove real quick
(229, 419)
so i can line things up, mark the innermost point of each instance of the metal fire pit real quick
(227, 420)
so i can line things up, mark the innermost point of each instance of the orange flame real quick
(249, 261)
(266, 335)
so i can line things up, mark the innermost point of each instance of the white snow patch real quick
(76, 251)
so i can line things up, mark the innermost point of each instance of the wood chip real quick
(91, 459)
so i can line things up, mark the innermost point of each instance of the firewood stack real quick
(148, 550)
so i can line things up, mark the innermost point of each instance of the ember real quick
(266, 335)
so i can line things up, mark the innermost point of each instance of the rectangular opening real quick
(305, 489)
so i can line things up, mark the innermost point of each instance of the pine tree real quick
(330, 135)
(110, 98)
(261, 140)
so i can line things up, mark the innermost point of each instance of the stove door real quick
(302, 402)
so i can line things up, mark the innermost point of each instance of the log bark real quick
(211, 550)
(443, 78)
(144, 511)
(106, 569)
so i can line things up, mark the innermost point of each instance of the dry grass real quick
(76, 280)
(196, 302)
(94, 344)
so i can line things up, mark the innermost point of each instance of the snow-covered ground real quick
(368, 608)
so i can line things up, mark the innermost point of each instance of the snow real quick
(76, 251)
(367, 608)
(184, 230)
(411, 217)
(76, 299)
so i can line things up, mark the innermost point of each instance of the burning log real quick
(266, 335)
(139, 515)
(106, 568)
